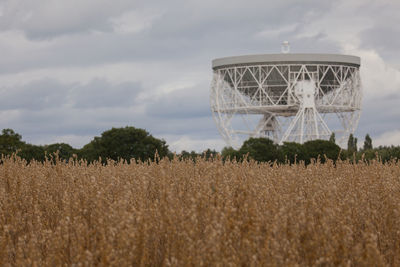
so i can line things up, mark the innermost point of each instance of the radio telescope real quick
(286, 97)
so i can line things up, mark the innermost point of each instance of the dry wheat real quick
(206, 213)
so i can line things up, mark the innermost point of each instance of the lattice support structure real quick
(286, 100)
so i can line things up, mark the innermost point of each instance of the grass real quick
(208, 213)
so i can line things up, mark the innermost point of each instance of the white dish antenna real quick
(286, 97)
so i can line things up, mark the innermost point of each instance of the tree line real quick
(129, 143)
(117, 143)
(265, 150)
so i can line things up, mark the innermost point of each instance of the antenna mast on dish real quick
(285, 47)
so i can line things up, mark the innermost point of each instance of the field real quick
(180, 213)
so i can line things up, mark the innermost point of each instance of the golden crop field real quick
(208, 213)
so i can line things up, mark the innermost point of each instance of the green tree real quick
(261, 149)
(65, 151)
(321, 149)
(388, 153)
(294, 152)
(351, 144)
(32, 152)
(367, 142)
(10, 142)
(208, 154)
(394, 153)
(230, 153)
(189, 155)
(124, 143)
(368, 155)
(91, 151)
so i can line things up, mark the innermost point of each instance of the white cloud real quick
(179, 143)
(188, 81)
(161, 77)
(48, 19)
(275, 32)
(134, 21)
(339, 24)
(379, 78)
(76, 141)
(387, 139)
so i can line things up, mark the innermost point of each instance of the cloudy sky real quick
(70, 70)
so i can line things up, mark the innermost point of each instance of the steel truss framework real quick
(286, 102)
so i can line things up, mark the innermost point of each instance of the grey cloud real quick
(64, 121)
(180, 104)
(383, 35)
(47, 19)
(196, 31)
(196, 127)
(197, 20)
(314, 44)
(48, 108)
(38, 95)
(99, 94)
(385, 40)
(379, 115)
(94, 50)
(49, 93)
